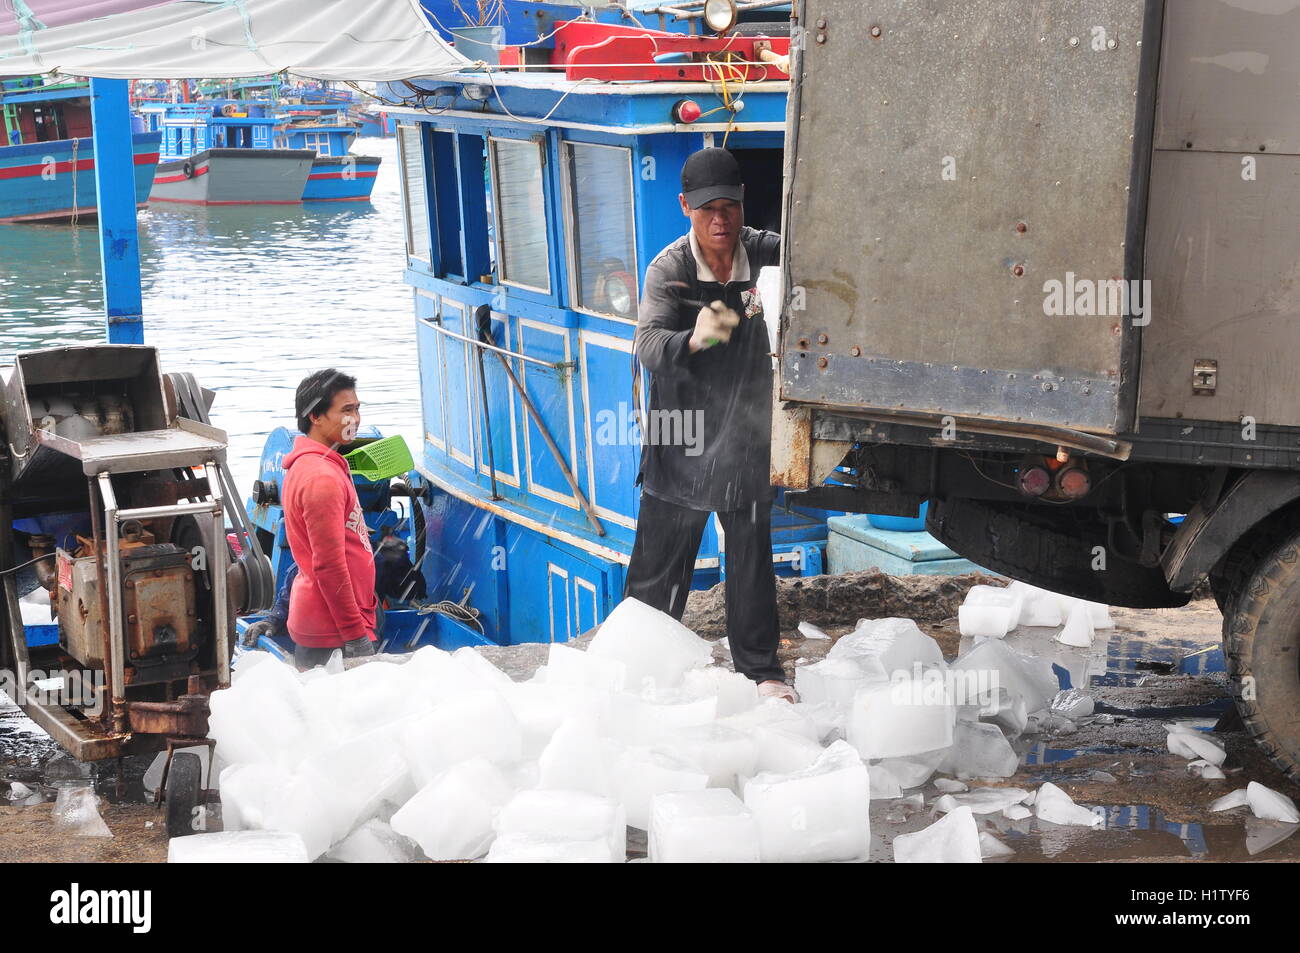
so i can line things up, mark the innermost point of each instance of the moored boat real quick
(336, 174)
(220, 153)
(235, 177)
(47, 155)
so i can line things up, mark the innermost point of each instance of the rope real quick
(75, 210)
(460, 613)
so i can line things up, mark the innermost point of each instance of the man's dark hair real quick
(316, 393)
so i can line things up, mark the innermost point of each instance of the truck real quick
(1040, 271)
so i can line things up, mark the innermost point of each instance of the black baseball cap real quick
(711, 174)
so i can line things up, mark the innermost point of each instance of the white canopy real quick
(357, 40)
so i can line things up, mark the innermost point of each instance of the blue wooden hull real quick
(341, 179)
(50, 181)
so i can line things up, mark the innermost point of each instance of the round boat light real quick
(720, 15)
(687, 111)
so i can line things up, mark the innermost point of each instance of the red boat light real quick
(1035, 481)
(685, 110)
(1073, 483)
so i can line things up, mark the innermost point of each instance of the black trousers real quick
(663, 561)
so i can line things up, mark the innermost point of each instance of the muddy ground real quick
(1117, 759)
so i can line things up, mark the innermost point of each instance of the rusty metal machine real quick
(113, 500)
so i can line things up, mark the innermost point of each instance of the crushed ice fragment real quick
(17, 791)
(237, 847)
(561, 818)
(1073, 703)
(953, 839)
(817, 814)
(951, 786)
(980, 750)
(993, 849)
(993, 664)
(1231, 800)
(374, 842)
(1078, 628)
(1204, 770)
(901, 718)
(982, 800)
(915, 770)
(76, 812)
(641, 773)
(1192, 744)
(655, 648)
(451, 817)
(1270, 805)
(810, 631)
(1053, 805)
(1038, 607)
(711, 826)
(1262, 835)
(884, 786)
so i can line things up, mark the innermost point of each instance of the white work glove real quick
(713, 325)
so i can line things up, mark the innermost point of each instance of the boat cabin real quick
(32, 112)
(190, 128)
(328, 131)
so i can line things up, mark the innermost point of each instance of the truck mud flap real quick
(1054, 550)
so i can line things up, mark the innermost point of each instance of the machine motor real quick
(158, 602)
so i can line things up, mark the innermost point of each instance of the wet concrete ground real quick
(1116, 759)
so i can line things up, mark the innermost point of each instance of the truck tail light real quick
(1073, 483)
(1035, 480)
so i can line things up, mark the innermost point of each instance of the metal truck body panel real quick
(953, 158)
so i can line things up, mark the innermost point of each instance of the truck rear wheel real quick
(1261, 640)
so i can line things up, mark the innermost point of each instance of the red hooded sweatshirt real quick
(333, 599)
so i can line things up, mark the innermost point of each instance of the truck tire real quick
(1261, 641)
(1230, 577)
(1048, 547)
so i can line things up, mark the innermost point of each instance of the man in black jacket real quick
(701, 334)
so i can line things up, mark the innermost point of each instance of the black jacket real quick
(706, 442)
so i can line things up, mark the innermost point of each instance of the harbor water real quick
(249, 298)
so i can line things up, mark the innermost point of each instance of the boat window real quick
(602, 227)
(522, 248)
(319, 141)
(415, 199)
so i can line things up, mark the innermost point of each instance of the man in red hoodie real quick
(332, 604)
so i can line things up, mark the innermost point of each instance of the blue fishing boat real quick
(47, 155)
(533, 205)
(336, 174)
(221, 152)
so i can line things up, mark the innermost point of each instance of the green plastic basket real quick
(382, 459)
